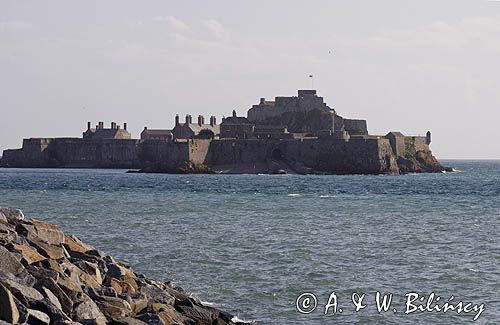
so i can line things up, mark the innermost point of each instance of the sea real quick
(293, 249)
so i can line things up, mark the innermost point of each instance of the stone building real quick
(156, 134)
(397, 141)
(190, 130)
(272, 132)
(236, 127)
(100, 132)
(305, 113)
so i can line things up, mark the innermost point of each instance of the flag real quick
(310, 76)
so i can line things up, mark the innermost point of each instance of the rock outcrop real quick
(47, 277)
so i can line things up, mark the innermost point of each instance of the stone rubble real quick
(47, 277)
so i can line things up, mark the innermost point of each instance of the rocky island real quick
(48, 277)
(296, 134)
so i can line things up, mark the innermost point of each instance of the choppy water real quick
(251, 244)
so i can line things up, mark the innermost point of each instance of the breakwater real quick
(48, 277)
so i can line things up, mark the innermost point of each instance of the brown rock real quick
(47, 232)
(199, 315)
(28, 253)
(48, 250)
(70, 287)
(151, 319)
(51, 297)
(41, 273)
(8, 310)
(170, 316)
(74, 244)
(155, 294)
(122, 287)
(138, 302)
(37, 317)
(77, 276)
(11, 215)
(91, 269)
(88, 312)
(64, 299)
(9, 262)
(24, 293)
(123, 304)
(128, 321)
(115, 308)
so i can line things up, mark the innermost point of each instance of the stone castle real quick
(297, 134)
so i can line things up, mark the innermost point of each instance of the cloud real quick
(15, 25)
(214, 27)
(173, 22)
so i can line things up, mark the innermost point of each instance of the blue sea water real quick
(251, 244)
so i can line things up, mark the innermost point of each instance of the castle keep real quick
(296, 134)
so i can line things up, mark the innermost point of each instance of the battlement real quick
(307, 92)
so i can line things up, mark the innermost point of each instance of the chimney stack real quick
(88, 125)
(113, 125)
(125, 126)
(262, 101)
(234, 113)
(212, 120)
(187, 118)
(201, 120)
(176, 119)
(101, 125)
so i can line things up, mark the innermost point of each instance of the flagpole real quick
(312, 81)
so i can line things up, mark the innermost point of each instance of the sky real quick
(407, 66)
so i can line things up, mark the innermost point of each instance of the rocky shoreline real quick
(47, 277)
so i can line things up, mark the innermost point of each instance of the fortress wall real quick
(416, 143)
(32, 154)
(421, 144)
(357, 156)
(329, 155)
(355, 127)
(108, 153)
(198, 150)
(228, 152)
(163, 154)
(12, 157)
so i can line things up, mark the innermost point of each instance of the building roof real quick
(196, 128)
(157, 132)
(396, 134)
(109, 133)
(236, 120)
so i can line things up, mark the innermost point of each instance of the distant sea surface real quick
(251, 244)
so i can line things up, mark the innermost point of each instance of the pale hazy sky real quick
(408, 66)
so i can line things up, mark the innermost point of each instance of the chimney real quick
(113, 125)
(88, 125)
(145, 128)
(212, 121)
(117, 127)
(201, 120)
(125, 126)
(234, 113)
(187, 118)
(101, 125)
(262, 101)
(176, 119)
